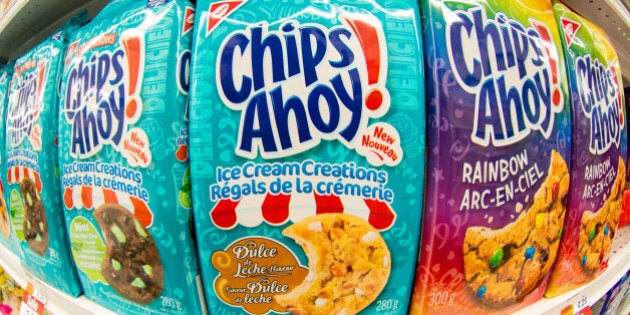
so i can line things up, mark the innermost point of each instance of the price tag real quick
(585, 311)
(582, 303)
(33, 301)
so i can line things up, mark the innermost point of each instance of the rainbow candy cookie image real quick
(307, 154)
(503, 266)
(499, 147)
(598, 152)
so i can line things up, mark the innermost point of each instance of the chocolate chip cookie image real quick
(502, 266)
(4, 218)
(349, 265)
(132, 264)
(598, 228)
(35, 225)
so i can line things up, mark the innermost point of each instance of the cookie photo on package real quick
(32, 169)
(124, 161)
(499, 144)
(599, 151)
(307, 155)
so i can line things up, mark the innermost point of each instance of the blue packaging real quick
(7, 235)
(31, 150)
(307, 120)
(124, 169)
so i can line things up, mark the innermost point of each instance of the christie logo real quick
(304, 82)
(102, 98)
(25, 103)
(512, 70)
(601, 103)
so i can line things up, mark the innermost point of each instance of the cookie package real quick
(31, 150)
(307, 154)
(125, 175)
(499, 144)
(599, 148)
(624, 219)
(8, 239)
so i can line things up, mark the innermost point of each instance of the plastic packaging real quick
(307, 154)
(8, 237)
(499, 144)
(124, 170)
(33, 195)
(598, 156)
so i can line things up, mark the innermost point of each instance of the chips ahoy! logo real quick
(512, 70)
(102, 97)
(296, 84)
(25, 103)
(601, 102)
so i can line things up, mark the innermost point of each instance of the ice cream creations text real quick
(601, 103)
(296, 85)
(510, 68)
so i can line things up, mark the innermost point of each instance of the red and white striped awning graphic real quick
(89, 197)
(253, 210)
(16, 173)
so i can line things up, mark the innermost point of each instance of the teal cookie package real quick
(7, 236)
(33, 196)
(123, 151)
(307, 129)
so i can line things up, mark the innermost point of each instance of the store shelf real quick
(614, 18)
(57, 302)
(28, 22)
(587, 295)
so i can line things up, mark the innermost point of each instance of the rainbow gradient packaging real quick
(307, 154)
(499, 144)
(598, 154)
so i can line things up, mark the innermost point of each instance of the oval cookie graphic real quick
(132, 264)
(35, 225)
(349, 265)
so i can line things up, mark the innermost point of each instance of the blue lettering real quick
(278, 117)
(483, 52)
(230, 90)
(257, 113)
(98, 82)
(600, 102)
(470, 78)
(322, 91)
(354, 102)
(259, 47)
(281, 113)
(347, 57)
(312, 58)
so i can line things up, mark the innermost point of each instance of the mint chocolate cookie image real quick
(132, 264)
(35, 225)
(598, 228)
(503, 265)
